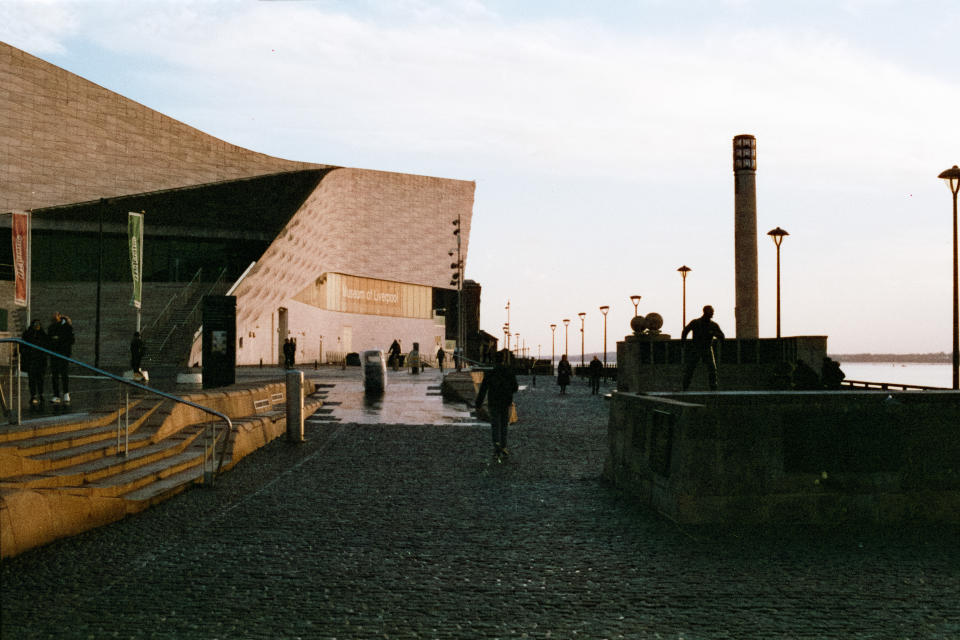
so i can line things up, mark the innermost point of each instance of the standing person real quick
(60, 335)
(440, 358)
(394, 352)
(414, 359)
(704, 330)
(289, 353)
(137, 351)
(35, 361)
(499, 384)
(595, 370)
(564, 371)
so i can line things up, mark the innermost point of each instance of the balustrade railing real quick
(15, 406)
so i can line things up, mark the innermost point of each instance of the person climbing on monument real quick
(704, 330)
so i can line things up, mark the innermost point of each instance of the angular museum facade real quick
(340, 259)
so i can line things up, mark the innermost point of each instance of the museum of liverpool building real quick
(339, 259)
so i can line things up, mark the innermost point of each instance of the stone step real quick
(101, 469)
(138, 478)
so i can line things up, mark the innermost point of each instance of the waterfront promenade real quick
(410, 529)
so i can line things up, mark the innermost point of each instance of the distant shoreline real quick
(912, 358)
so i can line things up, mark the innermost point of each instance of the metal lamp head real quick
(777, 235)
(952, 179)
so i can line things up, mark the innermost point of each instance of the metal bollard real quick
(295, 406)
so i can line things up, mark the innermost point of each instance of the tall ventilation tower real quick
(745, 234)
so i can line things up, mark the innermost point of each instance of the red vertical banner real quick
(21, 257)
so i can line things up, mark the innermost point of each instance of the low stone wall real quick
(804, 457)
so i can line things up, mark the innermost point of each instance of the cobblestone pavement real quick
(406, 531)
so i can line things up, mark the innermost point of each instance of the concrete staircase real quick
(61, 475)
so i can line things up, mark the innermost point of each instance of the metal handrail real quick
(168, 308)
(143, 387)
(887, 386)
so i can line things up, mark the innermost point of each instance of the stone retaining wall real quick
(810, 457)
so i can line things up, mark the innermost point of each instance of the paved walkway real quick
(413, 531)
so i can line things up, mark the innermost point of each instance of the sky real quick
(598, 135)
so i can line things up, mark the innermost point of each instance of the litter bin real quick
(295, 406)
(374, 372)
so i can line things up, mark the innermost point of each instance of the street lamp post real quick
(778, 235)
(684, 270)
(553, 353)
(582, 314)
(458, 280)
(566, 337)
(604, 309)
(952, 178)
(635, 300)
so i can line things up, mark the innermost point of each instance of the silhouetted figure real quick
(831, 375)
(441, 356)
(564, 372)
(395, 352)
(34, 362)
(60, 335)
(499, 384)
(289, 353)
(595, 371)
(704, 331)
(137, 350)
(805, 378)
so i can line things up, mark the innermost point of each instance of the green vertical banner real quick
(135, 239)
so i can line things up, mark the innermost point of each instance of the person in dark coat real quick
(704, 331)
(498, 386)
(289, 353)
(395, 352)
(440, 358)
(564, 372)
(60, 335)
(34, 362)
(137, 350)
(595, 370)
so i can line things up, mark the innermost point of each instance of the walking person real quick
(595, 370)
(413, 359)
(60, 335)
(137, 350)
(704, 331)
(498, 386)
(564, 371)
(34, 361)
(440, 358)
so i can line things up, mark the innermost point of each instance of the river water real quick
(933, 375)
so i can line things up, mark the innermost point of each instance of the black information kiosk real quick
(219, 341)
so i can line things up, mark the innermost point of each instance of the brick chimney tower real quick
(745, 235)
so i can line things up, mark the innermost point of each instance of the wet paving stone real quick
(404, 530)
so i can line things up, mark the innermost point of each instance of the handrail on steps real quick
(130, 383)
